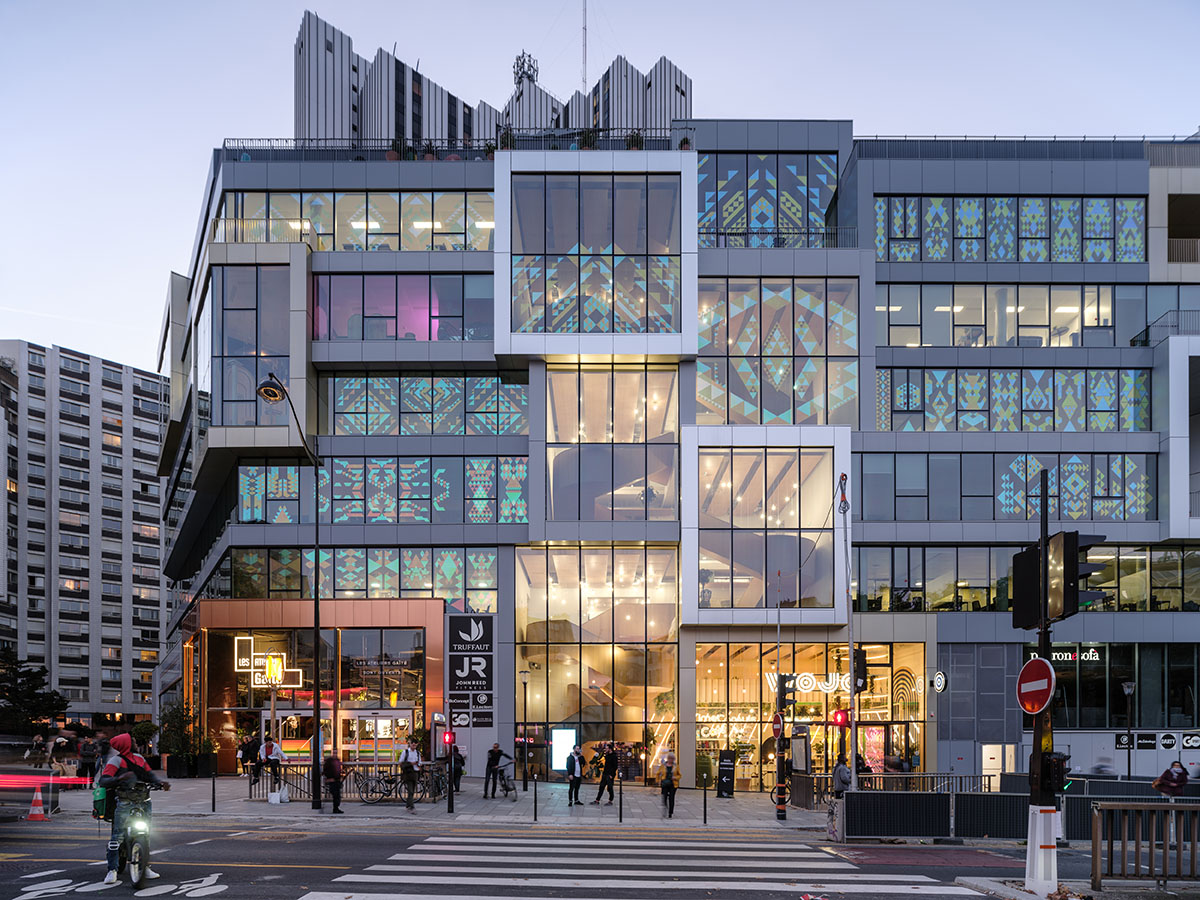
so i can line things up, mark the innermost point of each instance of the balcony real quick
(1175, 321)
(1183, 250)
(261, 231)
(831, 238)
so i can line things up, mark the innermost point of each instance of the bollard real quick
(214, 792)
(535, 796)
(705, 798)
(620, 799)
(450, 785)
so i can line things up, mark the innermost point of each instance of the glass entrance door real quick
(376, 736)
(295, 732)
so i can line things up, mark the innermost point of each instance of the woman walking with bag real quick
(668, 778)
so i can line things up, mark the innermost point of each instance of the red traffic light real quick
(840, 718)
(448, 738)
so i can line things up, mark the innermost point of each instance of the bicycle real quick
(135, 842)
(374, 788)
(506, 782)
(431, 783)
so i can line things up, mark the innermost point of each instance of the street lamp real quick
(525, 729)
(272, 390)
(1128, 687)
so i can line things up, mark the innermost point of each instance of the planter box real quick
(177, 766)
(206, 765)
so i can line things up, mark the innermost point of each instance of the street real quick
(382, 859)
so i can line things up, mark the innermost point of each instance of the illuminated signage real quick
(266, 670)
(807, 682)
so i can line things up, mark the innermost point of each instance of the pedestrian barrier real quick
(298, 778)
(990, 815)
(815, 791)
(1144, 840)
(880, 814)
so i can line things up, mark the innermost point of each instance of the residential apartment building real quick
(83, 591)
(341, 95)
(582, 420)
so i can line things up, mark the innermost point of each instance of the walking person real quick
(668, 777)
(492, 772)
(1172, 782)
(457, 763)
(89, 754)
(841, 778)
(608, 775)
(575, 764)
(331, 771)
(410, 761)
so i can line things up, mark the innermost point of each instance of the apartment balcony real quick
(262, 231)
(831, 238)
(1175, 321)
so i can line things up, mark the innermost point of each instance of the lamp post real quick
(525, 729)
(1129, 687)
(272, 390)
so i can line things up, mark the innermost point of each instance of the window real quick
(612, 450)
(250, 342)
(766, 535)
(778, 351)
(617, 271)
(425, 404)
(403, 307)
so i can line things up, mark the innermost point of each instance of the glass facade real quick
(778, 200)
(778, 351)
(429, 404)
(735, 702)
(597, 632)
(250, 338)
(766, 527)
(402, 307)
(362, 221)
(1010, 229)
(596, 253)
(612, 443)
(983, 399)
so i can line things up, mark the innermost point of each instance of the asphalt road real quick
(349, 859)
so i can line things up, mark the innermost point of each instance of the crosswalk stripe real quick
(857, 887)
(657, 872)
(611, 842)
(562, 846)
(824, 862)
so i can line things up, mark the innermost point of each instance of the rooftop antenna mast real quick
(585, 87)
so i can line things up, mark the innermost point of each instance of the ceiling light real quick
(1066, 309)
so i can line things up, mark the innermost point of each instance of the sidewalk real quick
(642, 806)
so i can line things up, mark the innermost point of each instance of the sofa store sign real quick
(471, 660)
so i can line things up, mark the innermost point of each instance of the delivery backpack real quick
(104, 803)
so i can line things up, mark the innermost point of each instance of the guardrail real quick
(298, 778)
(831, 238)
(1175, 321)
(1183, 250)
(814, 791)
(261, 231)
(1163, 827)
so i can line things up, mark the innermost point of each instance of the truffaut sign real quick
(471, 653)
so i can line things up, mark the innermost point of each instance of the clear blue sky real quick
(110, 110)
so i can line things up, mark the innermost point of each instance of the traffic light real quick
(1068, 564)
(1054, 772)
(840, 718)
(448, 738)
(785, 688)
(1025, 589)
(860, 670)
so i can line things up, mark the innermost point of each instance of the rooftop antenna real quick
(585, 87)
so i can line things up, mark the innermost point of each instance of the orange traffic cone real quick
(36, 812)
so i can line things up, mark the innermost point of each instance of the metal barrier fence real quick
(815, 791)
(1161, 827)
(298, 778)
(881, 814)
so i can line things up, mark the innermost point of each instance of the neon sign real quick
(807, 683)
(266, 670)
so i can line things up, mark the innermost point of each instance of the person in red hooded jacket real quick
(123, 768)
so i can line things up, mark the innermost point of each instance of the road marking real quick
(238, 833)
(194, 843)
(619, 884)
(823, 862)
(159, 850)
(839, 868)
(612, 850)
(43, 874)
(711, 845)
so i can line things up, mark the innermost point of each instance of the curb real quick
(995, 888)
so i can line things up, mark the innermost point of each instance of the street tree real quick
(25, 696)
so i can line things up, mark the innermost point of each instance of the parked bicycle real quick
(431, 784)
(507, 783)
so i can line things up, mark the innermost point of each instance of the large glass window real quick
(249, 341)
(596, 253)
(612, 443)
(403, 307)
(428, 404)
(778, 351)
(766, 524)
(597, 631)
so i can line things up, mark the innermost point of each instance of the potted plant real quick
(490, 148)
(393, 153)
(633, 140)
(685, 144)
(507, 138)
(175, 741)
(143, 733)
(410, 152)
(587, 139)
(430, 153)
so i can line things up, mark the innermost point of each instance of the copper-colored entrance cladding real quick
(337, 613)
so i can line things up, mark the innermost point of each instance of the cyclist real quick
(123, 768)
(492, 773)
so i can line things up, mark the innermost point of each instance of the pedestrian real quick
(575, 764)
(1171, 782)
(668, 778)
(492, 773)
(37, 751)
(457, 763)
(270, 754)
(332, 773)
(89, 753)
(608, 774)
(841, 778)
(410, 761)
(250, 753)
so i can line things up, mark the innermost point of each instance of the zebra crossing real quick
(524, 868)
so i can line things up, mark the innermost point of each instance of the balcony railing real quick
(833, 237)
(1183, 250)
(261, 231)
(1175, 321)
(1194, 511)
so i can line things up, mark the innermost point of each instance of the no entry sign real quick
(1035, 685)
(777, 725)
